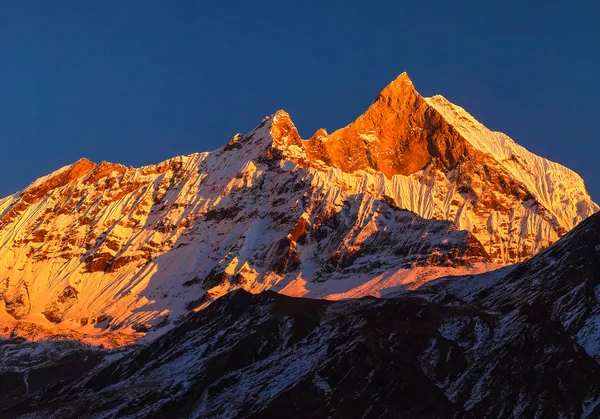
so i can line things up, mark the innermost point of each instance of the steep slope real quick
(519, 342)
(557, 188)
(398, 197)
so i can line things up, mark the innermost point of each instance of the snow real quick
(558, 188)
(466, 287)
(226, 211)
(361, 285)
(4, 316)
(589, 407)
(589, 336)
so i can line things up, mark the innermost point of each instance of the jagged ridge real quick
(100, 247)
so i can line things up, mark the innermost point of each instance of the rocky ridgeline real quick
(414, 189)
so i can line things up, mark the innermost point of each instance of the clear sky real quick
(137, 82)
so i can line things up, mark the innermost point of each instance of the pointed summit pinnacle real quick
(402, 78)
(283, 130)
(399, 87)
(281, 114)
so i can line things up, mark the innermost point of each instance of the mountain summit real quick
(398, 134)
(414, 189)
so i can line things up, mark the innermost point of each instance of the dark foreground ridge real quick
(514, 343)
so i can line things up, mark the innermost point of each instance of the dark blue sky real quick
(137, 82)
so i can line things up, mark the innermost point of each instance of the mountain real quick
(518, 342)
(414, 189)
(561, 284)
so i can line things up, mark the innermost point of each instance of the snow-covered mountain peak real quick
(411, 190)
(403, 135)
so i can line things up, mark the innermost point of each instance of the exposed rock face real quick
(414, 189)
(399, 134)
(495, 345)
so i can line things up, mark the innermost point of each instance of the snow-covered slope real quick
(397, 198)
(559, 189)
